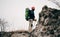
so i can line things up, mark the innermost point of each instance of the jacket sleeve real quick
(34, 15)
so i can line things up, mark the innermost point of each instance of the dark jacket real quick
(31, 14)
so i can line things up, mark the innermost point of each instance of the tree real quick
(2, 25)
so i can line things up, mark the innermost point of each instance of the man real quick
(31, 18)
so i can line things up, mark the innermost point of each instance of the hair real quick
(33, 7)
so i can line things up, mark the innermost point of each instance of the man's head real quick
(33, 8)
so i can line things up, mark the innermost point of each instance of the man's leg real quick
(30, 24)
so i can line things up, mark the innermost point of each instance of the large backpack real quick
(27, 14)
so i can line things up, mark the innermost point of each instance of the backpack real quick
(27, 14)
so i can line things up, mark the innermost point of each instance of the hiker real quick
(30, 17)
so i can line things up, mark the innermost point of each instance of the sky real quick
(13, 11)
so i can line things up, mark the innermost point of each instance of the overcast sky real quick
(13, 11)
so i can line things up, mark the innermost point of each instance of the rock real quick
(48, 23)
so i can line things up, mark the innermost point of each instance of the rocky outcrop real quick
(48, 23)
(16, 34)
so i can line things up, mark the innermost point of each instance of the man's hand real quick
(35, 19)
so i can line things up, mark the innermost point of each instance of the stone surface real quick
(50, 25)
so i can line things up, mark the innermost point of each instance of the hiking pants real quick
(30, 24)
